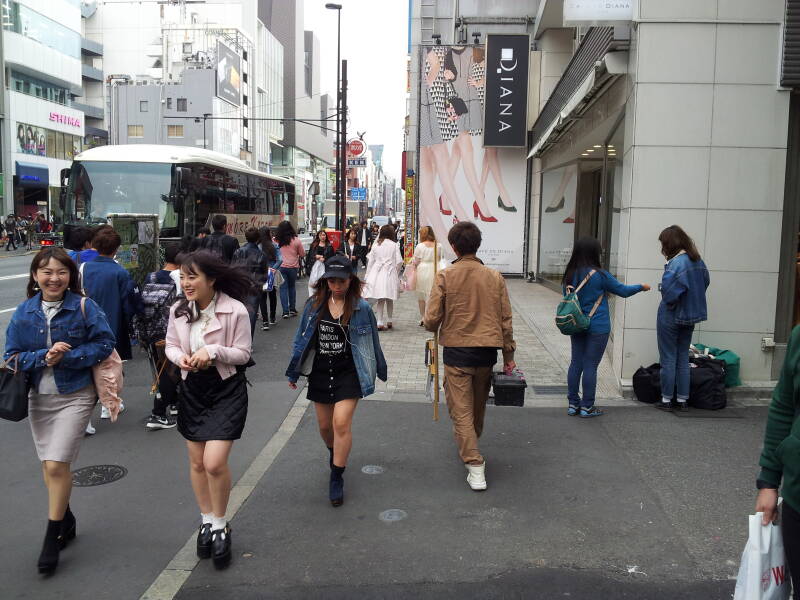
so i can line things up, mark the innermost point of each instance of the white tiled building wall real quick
(705, 148)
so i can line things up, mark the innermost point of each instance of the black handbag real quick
(14, 386)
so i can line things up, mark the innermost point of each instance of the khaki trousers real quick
(466, 390)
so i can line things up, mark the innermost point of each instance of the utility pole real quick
(343, 151)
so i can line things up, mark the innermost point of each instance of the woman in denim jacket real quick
(683, 304)
(52, 339)
(337, 348)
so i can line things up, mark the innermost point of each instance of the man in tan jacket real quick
(469, 306)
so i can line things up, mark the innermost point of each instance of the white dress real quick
(383, 271)
(425, 269)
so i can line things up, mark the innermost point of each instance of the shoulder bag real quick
(14, 387)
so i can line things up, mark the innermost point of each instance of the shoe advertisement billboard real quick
(459, 178)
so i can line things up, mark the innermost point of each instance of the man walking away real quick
(197, 242)
(158, 294)
(219, 242)
(255, 261)
(469, 306)
(80, 240)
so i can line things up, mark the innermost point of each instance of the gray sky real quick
(375, 43)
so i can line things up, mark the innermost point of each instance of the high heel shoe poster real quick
(459, 179)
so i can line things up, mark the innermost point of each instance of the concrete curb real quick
(170, 580)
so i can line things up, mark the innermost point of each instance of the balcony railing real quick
(93, 112)
(91, 48)
(92, 73)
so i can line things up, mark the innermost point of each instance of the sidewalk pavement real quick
(543, 353)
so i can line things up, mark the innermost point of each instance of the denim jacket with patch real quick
(90, 337)
(363, 334)
(683, 289)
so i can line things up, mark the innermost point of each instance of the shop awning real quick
(32, 175)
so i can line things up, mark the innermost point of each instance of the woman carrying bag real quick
(593, 284)
(208, 337)
(351, 248)
(57, 336)
(337, 348)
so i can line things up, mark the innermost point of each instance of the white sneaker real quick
(90, 430)
(106, 414)
(476, 476)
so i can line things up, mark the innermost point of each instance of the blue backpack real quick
(569, 315)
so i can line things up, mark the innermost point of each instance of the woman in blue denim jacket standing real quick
(683, 304)
(337, 348)
(589, 346)
(57, 344)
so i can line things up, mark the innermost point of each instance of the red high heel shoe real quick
(477, 212)
(447, 213)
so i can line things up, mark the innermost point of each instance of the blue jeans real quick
(587, 352)
(673, 348)
(288, 289)
(252, 311)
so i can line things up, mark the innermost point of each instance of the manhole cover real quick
(98, 475)
(373, 469)
(392, 515)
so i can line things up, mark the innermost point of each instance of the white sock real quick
(666, 400)
(218, 523)
(208, 518)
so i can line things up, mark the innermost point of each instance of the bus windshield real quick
(97, 189)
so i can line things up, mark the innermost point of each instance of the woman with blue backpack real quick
(591, 284)
(683, 305)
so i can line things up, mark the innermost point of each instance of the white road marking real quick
(5, 310)
(20, 276)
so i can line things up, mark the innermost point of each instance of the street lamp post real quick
(337, 143)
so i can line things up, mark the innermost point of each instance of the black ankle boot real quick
(48, 559)
(336, 487)
(68, 529)
(330, 461)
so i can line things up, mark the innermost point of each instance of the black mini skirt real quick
(212, 408)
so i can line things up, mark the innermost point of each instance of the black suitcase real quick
(647, 384)
(509, 390)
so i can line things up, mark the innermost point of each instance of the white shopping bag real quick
(763, 573)
(316, 272)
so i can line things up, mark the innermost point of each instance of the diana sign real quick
(506, 90)
(597, 12)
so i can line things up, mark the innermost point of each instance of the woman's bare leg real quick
(441, 160)
(197, 474)
(464, 141)
(325, 422)
(58, 479)
(215, 462)
(493, 162)
(342, 430)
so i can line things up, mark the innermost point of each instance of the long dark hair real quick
(387, 233)
(267, 246)
(231, 280)
(42, 258)
(322, 294)
(285, 233)
(585, 255)
(674, 239)
(316, 241)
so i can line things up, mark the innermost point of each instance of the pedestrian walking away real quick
(780, 460)
(383, 276)
(291, 252)
(470, 309)
(219, 242)
(51, 338)
(159, 292)
(269, 292)
(592, 283)
(11, 232)
(425, 266)
(112, 287)
(337, 347)
(683, 305)
(254, 261)
(209, 339)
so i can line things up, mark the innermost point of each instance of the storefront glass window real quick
(29, 23)
(557, 233)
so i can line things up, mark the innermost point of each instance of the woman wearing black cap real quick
(337, 348)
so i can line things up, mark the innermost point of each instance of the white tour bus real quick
(184, 186)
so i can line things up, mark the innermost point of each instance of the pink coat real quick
(228, 340)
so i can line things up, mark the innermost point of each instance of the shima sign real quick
(506, 91)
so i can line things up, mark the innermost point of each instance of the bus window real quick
(290, 203)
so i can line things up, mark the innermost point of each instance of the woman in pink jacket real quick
(209, 338)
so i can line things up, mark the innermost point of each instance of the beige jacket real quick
(469, 306)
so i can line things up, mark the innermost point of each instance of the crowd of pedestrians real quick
(203, 305)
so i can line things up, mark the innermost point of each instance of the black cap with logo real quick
(338, 266)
